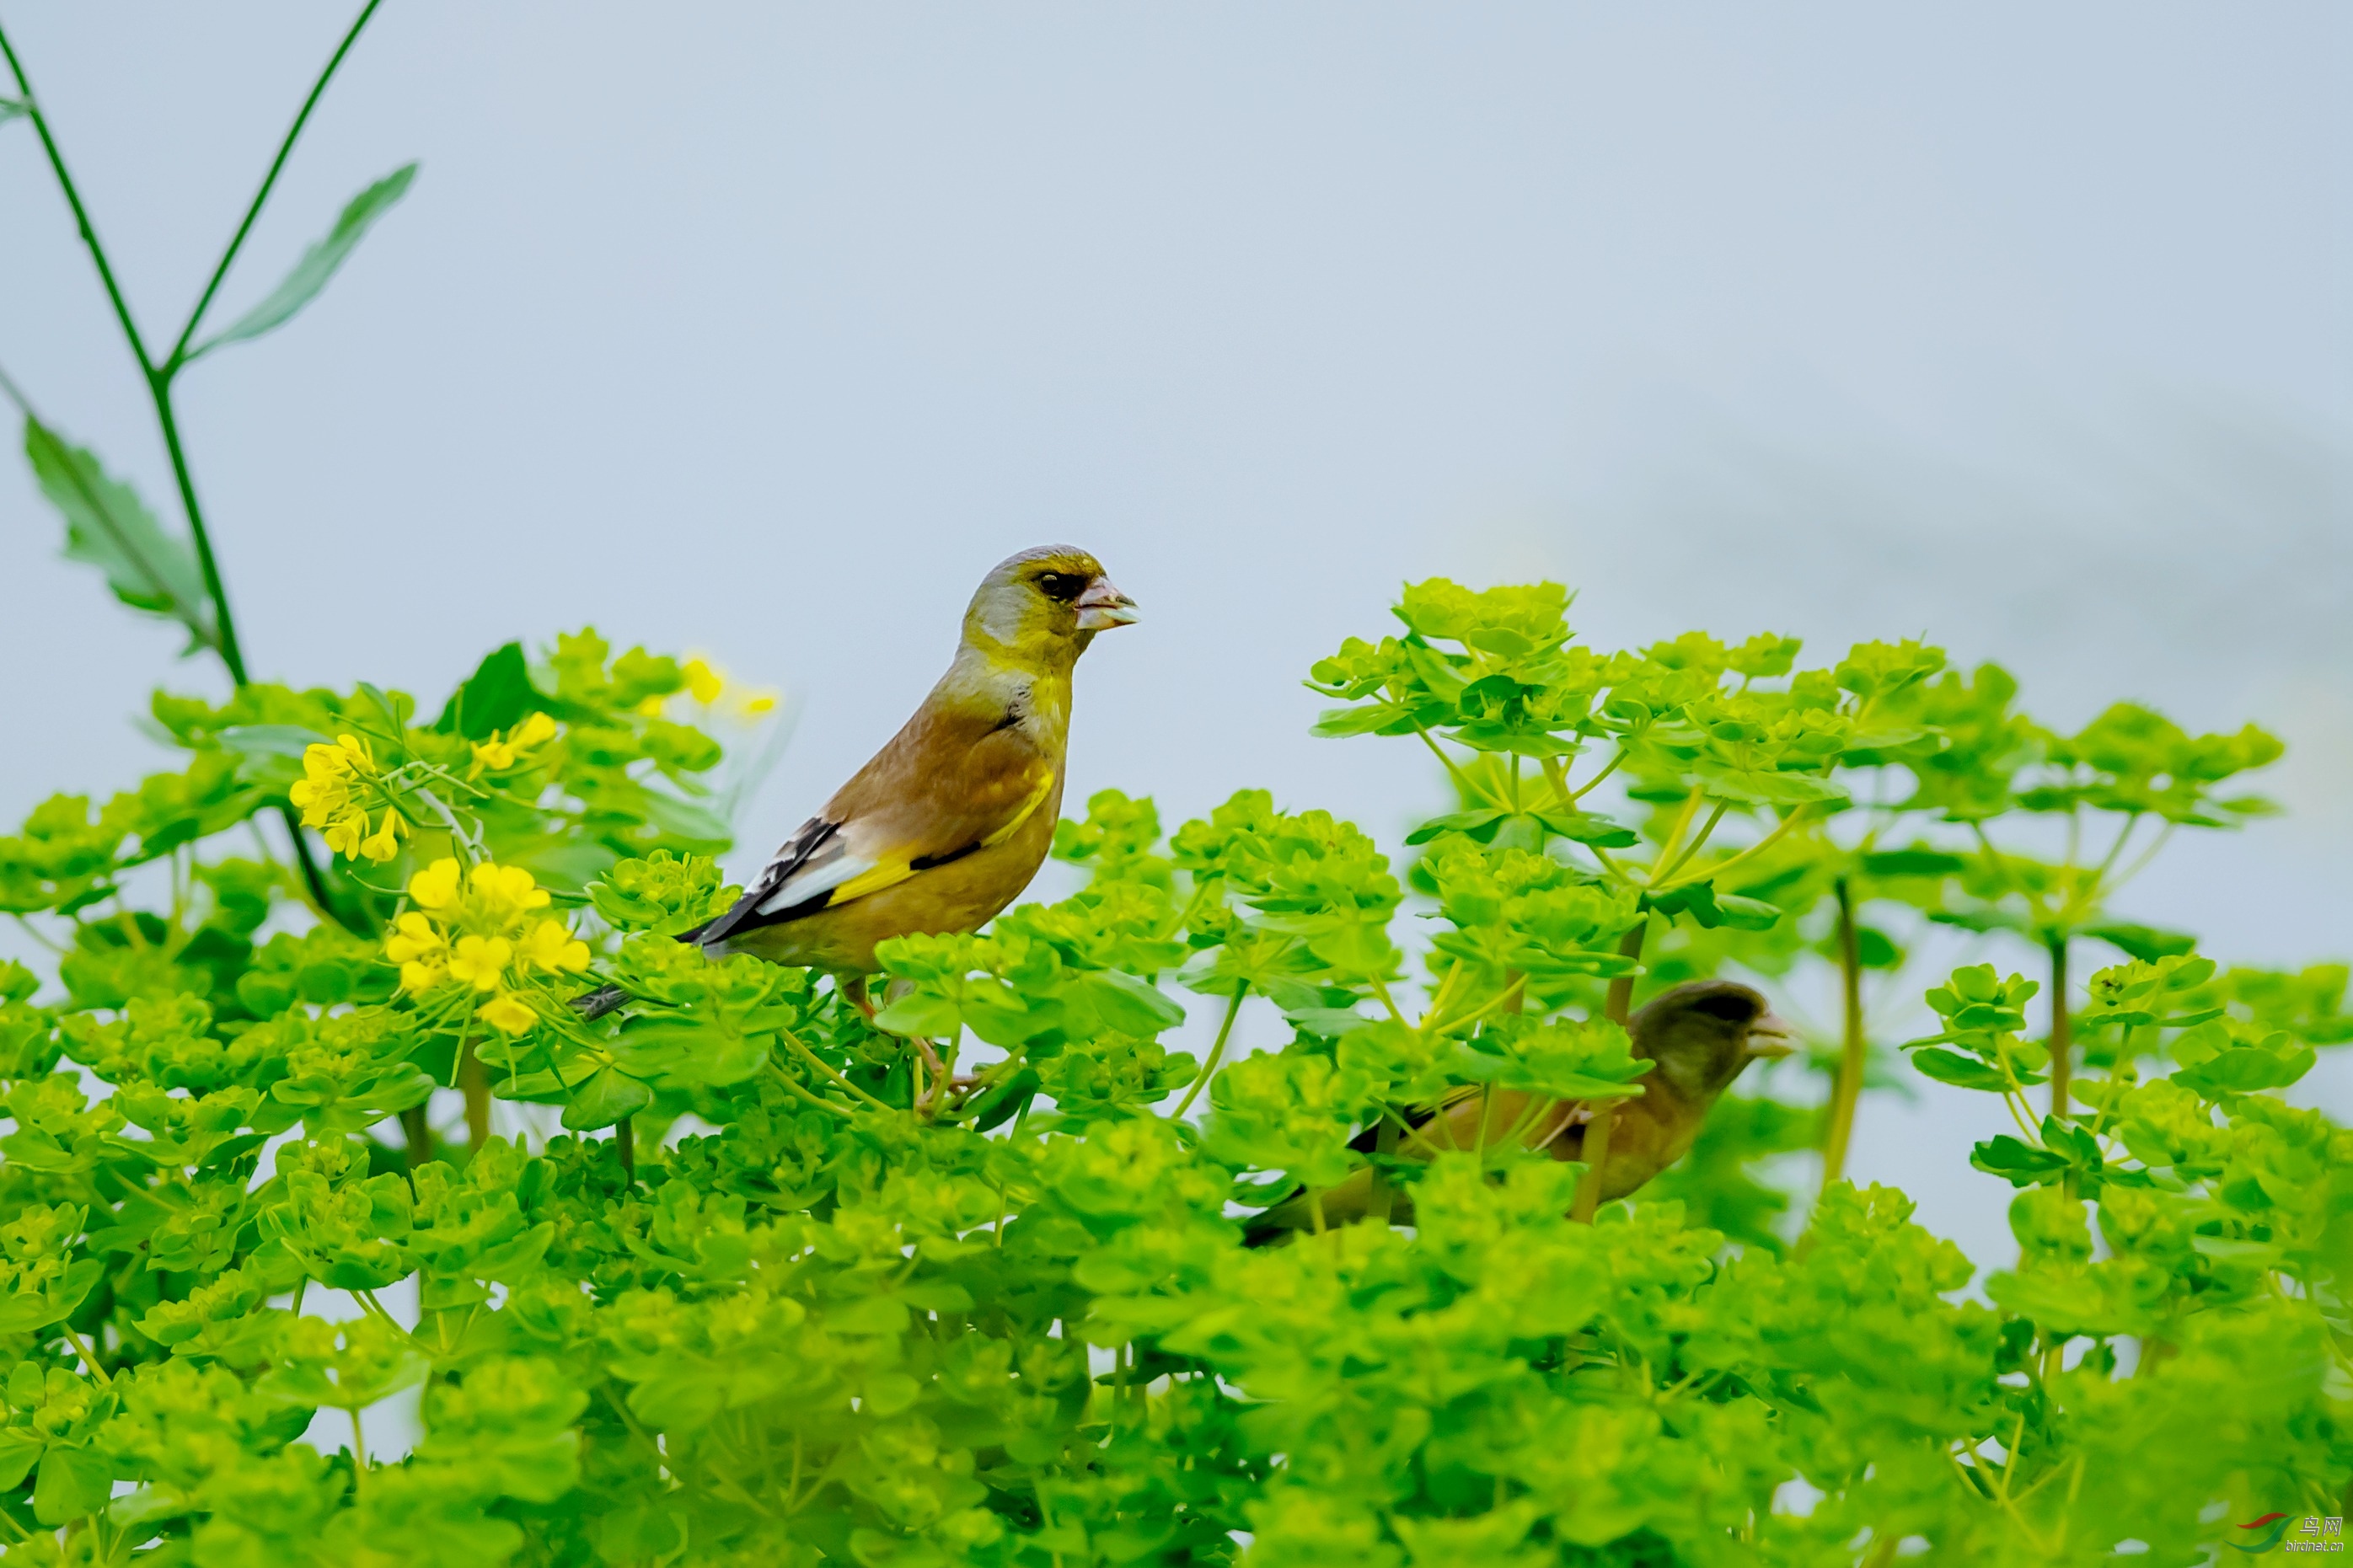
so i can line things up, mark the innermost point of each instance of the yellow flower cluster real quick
(711, 689)
(332, 796)
(502, 752)
(478, 929)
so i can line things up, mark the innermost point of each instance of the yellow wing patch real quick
(891, 873)
(887, 874)
(1045, 788)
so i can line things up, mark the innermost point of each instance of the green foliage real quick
(961, 1285)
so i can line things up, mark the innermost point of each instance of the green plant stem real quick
(1471, 792)
(1698, 840)
(88, 1356)
(359, 1451)
(2063, 1033)
(800, 1092)
(1854, 1051)
(1217, 1052)
(826, 1068)
(417, 1129)
(180, 350)
(1780, 830)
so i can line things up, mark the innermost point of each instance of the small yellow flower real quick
(344, 834)
(507, 1014)
(331, 793)
(480, 962)
(500, 894)
(435, 886)
(383, 843)
(553, 948)
(503, 751)
(703, 683)
(475, 928)
(420, 950)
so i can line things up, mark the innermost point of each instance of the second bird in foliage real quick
(1701, 1035)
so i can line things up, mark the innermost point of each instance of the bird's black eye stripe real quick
(1062, 585)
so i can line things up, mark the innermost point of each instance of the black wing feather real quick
(809, 842)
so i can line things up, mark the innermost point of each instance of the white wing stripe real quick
(809, 882)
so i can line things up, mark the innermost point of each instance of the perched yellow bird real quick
(950, 820)
(1702, 1034)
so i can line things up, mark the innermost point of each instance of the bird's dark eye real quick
(1732, 1006)
(1062, 585)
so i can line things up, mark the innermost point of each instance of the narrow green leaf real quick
(319, 263)
(109, 527)
(10, 108)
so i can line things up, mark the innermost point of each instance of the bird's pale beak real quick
(1102, 606)
(1769, 1038)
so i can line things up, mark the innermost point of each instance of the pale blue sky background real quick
(766, 330)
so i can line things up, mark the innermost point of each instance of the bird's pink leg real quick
(854, 987)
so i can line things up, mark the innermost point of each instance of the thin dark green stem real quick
(2062, 1044)
(73, 199)
(196, 318)
(231, 653)
(159, 388)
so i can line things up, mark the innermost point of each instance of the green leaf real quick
(20, 1449)
(609, 1096)
(919, 1014)
(1480, 823)
(10, 108)
(1963, 1072)
(1131, 1006)
(1711, 908)
(496, 696)
(1912, 863)
(72, 1482)
(1362, 720)
(2017, 1161)
(1747, 914)
(2145, 943)
(1588, 827)
(319, 263)
(109, 527)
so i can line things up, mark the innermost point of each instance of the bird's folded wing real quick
(861, 847)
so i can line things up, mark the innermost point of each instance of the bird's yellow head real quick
(1703, 1033)
(1042, 607)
